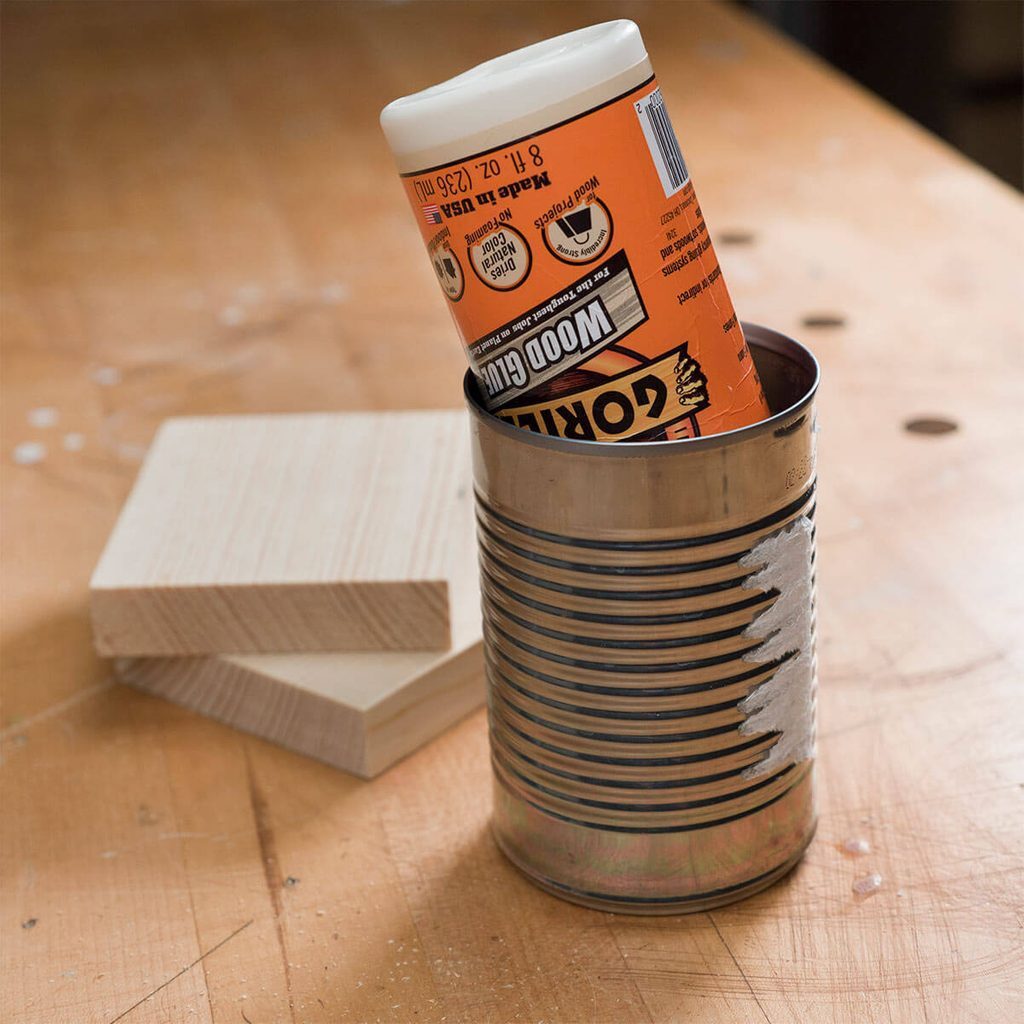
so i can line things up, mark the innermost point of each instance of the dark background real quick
(953, 65)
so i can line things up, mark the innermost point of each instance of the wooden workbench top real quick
(200, 216)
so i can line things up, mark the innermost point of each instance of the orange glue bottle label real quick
(582, 279)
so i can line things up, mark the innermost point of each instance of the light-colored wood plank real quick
(286, 533)
(358, 711)
(159, 159)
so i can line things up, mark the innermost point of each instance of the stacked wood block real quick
(307, 578)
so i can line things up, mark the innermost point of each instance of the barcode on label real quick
(661, 141)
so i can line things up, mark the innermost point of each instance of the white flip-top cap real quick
(533, 81)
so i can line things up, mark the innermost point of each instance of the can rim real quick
(757, 336)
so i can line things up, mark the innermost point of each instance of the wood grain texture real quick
(358, 711)
(166, 164)
(286, 533)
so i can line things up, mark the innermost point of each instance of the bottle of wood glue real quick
(560, 219)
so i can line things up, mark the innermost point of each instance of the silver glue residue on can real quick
(649, 635)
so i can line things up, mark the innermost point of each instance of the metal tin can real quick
(622, 589)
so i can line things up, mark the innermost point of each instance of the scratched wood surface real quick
(199, 217)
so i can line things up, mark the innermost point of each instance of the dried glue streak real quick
(563, 227)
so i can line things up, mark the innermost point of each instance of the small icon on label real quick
(580, 235)
(502, 258)
(449, 273)
(431, 213)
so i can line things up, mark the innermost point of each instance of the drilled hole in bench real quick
(932, 425)
(824, 320)
(739, 237)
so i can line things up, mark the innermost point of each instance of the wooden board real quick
(358, 711)
(164, 164)
(312, 532)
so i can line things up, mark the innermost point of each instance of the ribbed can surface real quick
(620, 621)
